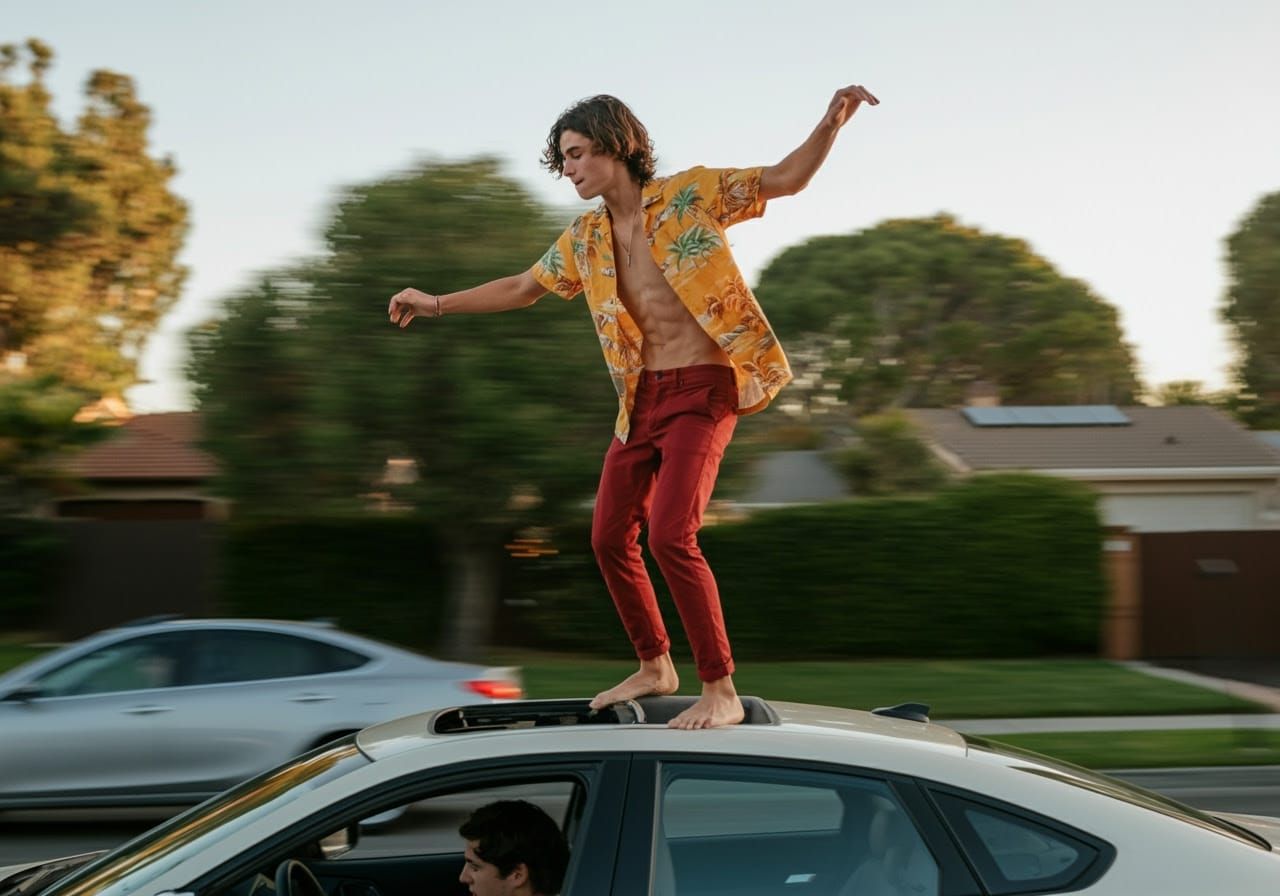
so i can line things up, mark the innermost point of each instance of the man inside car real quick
(513, 849)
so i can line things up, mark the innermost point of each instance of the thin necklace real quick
(627, 244)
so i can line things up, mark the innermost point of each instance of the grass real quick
(955, 689)
(1154, 749)
(13, 654)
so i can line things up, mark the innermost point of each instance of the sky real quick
(1123, 140)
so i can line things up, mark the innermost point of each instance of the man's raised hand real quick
(846, 102)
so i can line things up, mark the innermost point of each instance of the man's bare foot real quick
(656, 676)
(718, 706)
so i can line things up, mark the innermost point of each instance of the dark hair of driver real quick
(509, 832)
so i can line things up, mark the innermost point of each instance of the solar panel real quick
(1060, 415)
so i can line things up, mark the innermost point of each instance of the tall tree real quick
(37, 429)
(89, 229)
(1252, 311)
(912, 312)
(503, 417)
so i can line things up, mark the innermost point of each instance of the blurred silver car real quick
(802, 800)
(173, 711)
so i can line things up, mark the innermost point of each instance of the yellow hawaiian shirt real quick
(685, 216)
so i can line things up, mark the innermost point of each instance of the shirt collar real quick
(649, 194)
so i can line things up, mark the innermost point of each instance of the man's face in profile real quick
(591, 172)
(483, 879)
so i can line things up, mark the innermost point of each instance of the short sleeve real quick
(557, 269)
(732, 194)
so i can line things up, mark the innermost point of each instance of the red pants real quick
(664, 474)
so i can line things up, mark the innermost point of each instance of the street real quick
(30, 836)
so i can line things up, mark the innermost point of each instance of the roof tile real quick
(148, 447)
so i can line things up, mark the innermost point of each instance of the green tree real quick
(1189, 392)
(890, 458)
(89, 230)
(308, 390)
(37, 431)
(911, 312)
(250, 371)
(1252, 311)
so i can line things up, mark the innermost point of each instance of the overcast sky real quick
(1122, 139)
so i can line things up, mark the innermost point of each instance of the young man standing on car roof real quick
(688, 347)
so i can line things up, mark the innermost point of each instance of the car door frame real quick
(593, 854)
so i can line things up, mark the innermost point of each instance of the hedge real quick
(379, 577)
(32, 561)
(997, 566)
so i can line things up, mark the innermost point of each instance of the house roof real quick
(1164, 438)
(147, 447)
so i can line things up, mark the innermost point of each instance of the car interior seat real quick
(897, 862)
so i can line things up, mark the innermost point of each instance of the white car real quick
(174, 711)
(796, 800)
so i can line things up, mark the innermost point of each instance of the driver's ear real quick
(519, 875)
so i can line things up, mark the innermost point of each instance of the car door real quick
(88, 734)
(718, 826)
(585, 794)
(252, 698)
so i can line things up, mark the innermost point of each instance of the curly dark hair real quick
(510, 832)
(612, 128)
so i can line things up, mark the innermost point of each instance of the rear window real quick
(1076, 776)
(231, 655)
(1015, 853)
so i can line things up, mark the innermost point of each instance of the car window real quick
(142, 663)
(416, 846)
(222, 656)
(750, 829)
(1113, 788)
(1014, 853)
(434, 821)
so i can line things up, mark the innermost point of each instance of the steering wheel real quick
(293, 878)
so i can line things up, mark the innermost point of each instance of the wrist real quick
(438, 308)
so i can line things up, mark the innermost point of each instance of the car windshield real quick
(1076, 776)
(131, 866)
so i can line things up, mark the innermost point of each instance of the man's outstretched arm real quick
(504, 294)
(793, 173)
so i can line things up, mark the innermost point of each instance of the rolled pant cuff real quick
(716, 672)
(652, 653)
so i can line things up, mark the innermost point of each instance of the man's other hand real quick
(410, 303)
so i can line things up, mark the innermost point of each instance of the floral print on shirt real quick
(685, 217)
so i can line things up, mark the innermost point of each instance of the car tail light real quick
(498, 683)
(495, 689)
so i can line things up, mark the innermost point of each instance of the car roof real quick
(528, 724)
(168, 621)
(323, 630)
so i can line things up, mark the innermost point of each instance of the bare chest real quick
(642, 288)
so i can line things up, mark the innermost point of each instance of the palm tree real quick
(694, 244)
